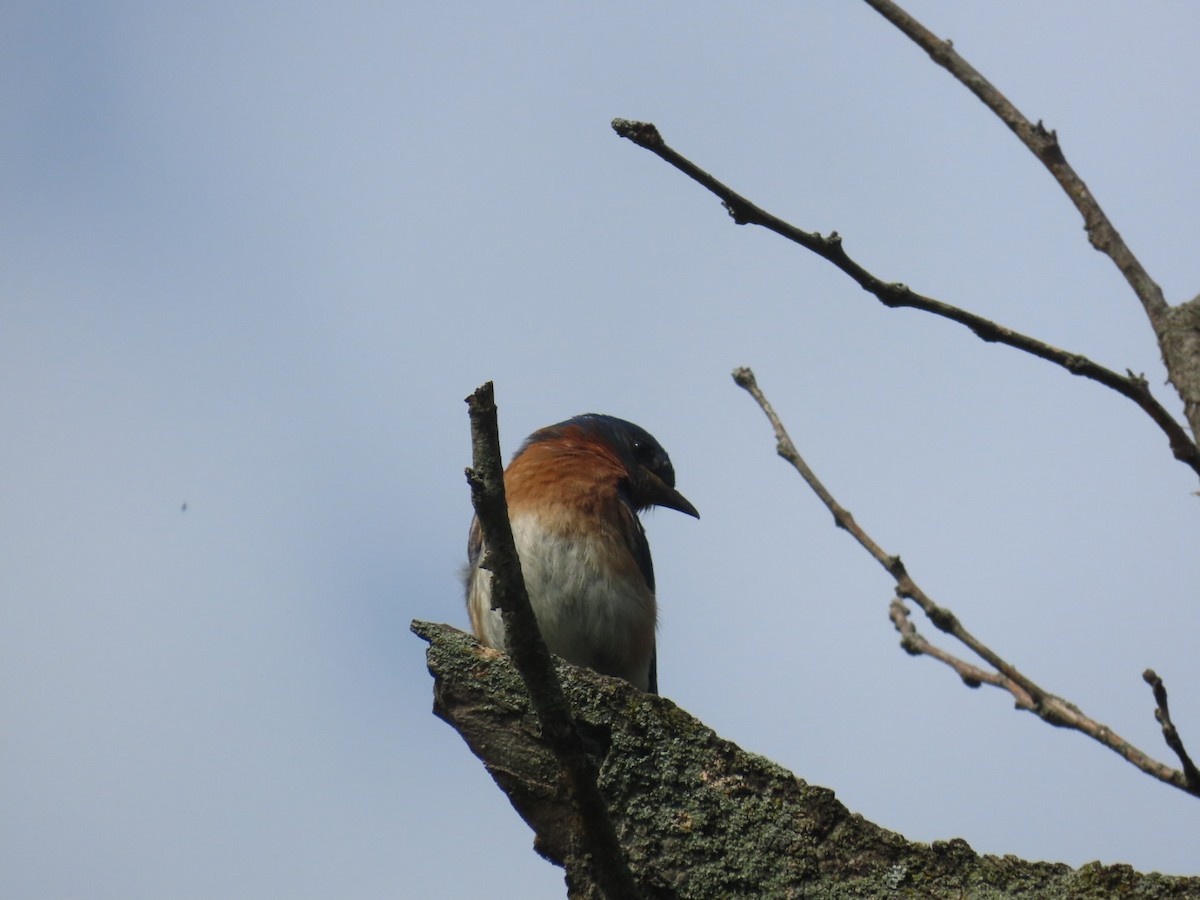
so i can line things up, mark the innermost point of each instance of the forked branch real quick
(1028, 694)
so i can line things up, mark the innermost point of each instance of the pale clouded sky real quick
(253, 257)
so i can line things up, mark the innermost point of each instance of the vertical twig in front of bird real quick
(600, 852)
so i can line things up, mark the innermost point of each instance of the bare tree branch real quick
(1044, 145)
(1027, 693)
(1174, 327)
(894, 294)
(596, 860)
(1163, 715)
(914, 643)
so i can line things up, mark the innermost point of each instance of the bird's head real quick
(650, 477)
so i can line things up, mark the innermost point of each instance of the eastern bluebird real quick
(574, 491)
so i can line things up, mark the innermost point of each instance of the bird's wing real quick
(474, 544)
(470, 572)
(639, 547)
(635, 539)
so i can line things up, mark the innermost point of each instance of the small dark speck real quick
(183, 508)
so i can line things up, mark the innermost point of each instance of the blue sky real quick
(253, 258)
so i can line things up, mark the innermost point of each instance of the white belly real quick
(592, 610)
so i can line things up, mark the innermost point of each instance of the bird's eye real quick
(643, 453)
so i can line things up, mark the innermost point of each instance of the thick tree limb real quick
(593, 859)
(701, 818)
(1027, 694)
(1180, 341)
(894, 294)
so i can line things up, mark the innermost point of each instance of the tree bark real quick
(1180, 341)
(699, 817)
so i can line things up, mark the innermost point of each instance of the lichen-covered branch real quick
(1028, 694)
(1180, 342)
(698, 817)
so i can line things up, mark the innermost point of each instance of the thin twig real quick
(602, 854)
(915, 644)
(1163, 716)
(1027, 693)
(1044, 145)
(895, 294)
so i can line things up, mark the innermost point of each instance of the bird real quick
(574, 491)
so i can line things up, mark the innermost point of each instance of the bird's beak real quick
(659, 493)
